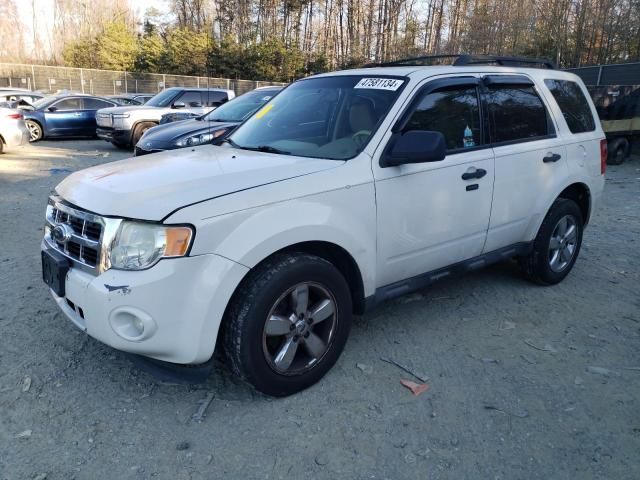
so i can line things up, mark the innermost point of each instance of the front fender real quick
(344, 217)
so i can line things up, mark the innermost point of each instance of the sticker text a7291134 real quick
(392, 84)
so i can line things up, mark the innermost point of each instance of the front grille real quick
(83, 244)
(104, 120)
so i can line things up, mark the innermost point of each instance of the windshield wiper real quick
(269, 149)
(261, 148)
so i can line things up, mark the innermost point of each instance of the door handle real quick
(552, 157)
(474, 172)
(77, 114)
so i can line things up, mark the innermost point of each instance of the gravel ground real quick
(525, 381)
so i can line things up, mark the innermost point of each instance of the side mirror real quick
(178, 105)
(52, 109)
(414, 146)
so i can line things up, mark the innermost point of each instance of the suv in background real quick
(343, 191)
(123, 126)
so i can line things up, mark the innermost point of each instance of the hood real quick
(152, 186)
(164, 135)
(128, 108)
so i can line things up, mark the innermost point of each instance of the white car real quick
(343, 191)
(123, 126)
(13, 131)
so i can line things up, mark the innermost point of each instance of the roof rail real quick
(464, 60)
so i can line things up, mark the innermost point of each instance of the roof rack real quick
(464, 60)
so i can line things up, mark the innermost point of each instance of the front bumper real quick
(122, 137)
(180, 302)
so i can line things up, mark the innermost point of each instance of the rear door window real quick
(454, 112)
(517, 113)
(573, 105)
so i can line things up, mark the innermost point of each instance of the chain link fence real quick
(108, 82)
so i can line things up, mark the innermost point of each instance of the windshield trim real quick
(405, 78)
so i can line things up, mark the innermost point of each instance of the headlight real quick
(199, 139)
(141, 245)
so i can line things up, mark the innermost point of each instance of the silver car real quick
(13, 131)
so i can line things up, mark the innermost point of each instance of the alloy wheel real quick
(35, 132)
(563, 243)
(299, 328)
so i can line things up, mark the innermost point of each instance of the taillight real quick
(15, 116)
(603, 156)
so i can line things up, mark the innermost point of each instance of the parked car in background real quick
(205, 128)
(20, 98)
(131, 98)
(64, 116)
(13, 131)
(123, 126)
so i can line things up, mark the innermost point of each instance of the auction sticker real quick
(380, 83)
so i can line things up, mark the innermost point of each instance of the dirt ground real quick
(525, 381)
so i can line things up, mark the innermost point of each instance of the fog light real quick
(132, 324)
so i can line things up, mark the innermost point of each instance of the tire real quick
(35, 130)
(1, 146)
(259, 350)
(121, 146)
(618, 151)
(139, 131)
(542, 266)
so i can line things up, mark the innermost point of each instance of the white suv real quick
(345, 190)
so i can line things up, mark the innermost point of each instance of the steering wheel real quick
(360, 136)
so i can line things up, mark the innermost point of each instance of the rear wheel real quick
(618, 150)
(288, 323)
(140, 129)
(35, 130)
(557, 245)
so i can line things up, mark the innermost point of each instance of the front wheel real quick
(35, 130)
(287, 323)
(557, 245)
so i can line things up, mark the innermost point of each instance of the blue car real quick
(64, 116)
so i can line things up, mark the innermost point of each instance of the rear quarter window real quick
(573, 105)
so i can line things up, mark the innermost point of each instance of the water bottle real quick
(467, 140)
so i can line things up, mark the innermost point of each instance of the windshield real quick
(325, 117)
(44, 102)
(163, 99)
(241, 107)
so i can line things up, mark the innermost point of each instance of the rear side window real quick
(517, 113)
(214, 99)
(453, 112)
(573, 105)
(95, 104)
(190, 99)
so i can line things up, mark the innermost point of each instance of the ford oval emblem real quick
(62, 233)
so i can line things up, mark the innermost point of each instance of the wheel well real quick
(342, 260)
(579, 193)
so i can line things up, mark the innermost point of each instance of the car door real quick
(89, 109)
(64, 117)
(530, 159)
(431, 215)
